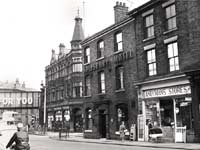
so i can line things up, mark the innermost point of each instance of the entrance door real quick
(102, 123)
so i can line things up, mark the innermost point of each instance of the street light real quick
(44, 119)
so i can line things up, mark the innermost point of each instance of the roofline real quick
(107, 30)
(141, 8)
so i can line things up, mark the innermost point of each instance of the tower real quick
(78, 34)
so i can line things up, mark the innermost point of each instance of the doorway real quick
(102, 123)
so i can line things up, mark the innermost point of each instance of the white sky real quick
(30, 29)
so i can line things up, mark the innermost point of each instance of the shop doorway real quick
(78, 121)
(102, 123)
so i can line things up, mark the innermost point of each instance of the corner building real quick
(109, 74)
(64, 84)
(167, 43)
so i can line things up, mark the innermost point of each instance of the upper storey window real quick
(151, 61)
(100, 49)
(87, 55)
(172, 49)
(171, 17)
(149, 26)
(118, 42)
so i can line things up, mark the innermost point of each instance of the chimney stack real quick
(120, 11)
(61, 49)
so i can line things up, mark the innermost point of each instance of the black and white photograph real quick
(109, 74)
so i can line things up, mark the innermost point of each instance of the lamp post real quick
(44, 115)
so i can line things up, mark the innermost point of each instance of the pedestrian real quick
(122, 129)
(21, 139)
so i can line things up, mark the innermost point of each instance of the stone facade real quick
(64, 85)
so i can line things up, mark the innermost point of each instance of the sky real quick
(30, 29)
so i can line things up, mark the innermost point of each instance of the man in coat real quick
(20, 138)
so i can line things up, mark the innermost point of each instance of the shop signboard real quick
(168, 91)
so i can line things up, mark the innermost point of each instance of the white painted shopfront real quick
(165, 103)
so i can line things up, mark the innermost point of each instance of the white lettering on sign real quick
(170, 91)
(10, 101)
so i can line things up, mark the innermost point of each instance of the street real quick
(45, 143)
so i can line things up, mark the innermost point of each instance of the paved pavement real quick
(78, 137)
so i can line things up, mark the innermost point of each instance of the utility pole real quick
(44, 106)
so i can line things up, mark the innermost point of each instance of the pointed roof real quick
(78, 34)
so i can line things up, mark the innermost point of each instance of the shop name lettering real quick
(10, 101)
(178, 90)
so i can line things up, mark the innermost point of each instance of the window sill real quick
(169, 31)
(149, 38)
(101, 94)
(117, 52)
(86, 64)
(99, 58)
(120, 90)
(118, 133)
(88, 96)
(88, 131)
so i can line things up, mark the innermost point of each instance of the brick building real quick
(64, 84)
(168, 58)
(109, 72)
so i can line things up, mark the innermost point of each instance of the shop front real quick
(166, 105)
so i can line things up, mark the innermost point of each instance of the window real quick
(101, 82)
(118, 42)
(77, 68)
(88, 119)
(151, 61)
(120, 77)
(87, 86)
(87, 55)
(77, 89)
(100, 49)
(173, 56)
(171, 17)
(149, 26)
(77, 59)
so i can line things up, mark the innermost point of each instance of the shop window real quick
(88, 119)
(184, 113)
(167, 112)
(173, 56)
(122, 115)
(171, 17)
(119, 77)
(149, 26)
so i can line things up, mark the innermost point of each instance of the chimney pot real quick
(124, 4)
(120, 3)
(117, 3)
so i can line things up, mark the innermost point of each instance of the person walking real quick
(122, 129)
(21, 139)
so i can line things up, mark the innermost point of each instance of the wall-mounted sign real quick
(169, 91)
(18, 101)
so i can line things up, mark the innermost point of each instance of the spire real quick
(78, 34)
